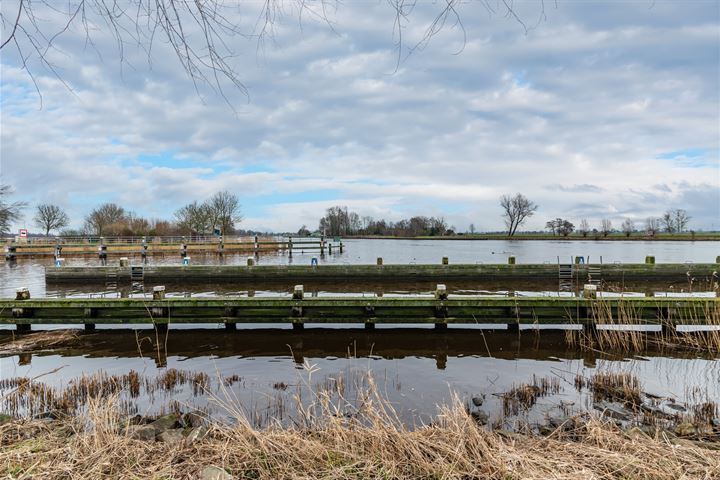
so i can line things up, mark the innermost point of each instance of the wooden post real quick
(379, 261)
(329, 248)
(10, 252)
(445, 260)
(21, 294)
(650, 260)
(290, 247)
(322, 245)
(590, 291)
(159, 292)
(250, 261)
(441, 292)
(511, 260)
(256, 247)
(298, 292)
(341, 248)
(124, 262)
(717, 259)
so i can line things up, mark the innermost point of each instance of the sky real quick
(591, 110)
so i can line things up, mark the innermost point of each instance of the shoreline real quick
(712, 237)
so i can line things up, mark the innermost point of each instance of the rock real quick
(133, 420)
(171, 436)
(685, 429)
(214, 473)
(142, 432)
(613, 410)
(196, 434)
(478, 400)
(480, 417)
(166, 422)
(193, 419)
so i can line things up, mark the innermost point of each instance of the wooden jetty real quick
(296, 309)
(577, 274)
(103, 247)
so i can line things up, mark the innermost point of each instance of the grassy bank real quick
(615, 236)
(371, 445)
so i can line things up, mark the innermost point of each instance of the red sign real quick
(23, 233)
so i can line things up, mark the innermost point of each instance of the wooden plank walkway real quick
(298, 310)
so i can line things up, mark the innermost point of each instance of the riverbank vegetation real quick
(330, 437)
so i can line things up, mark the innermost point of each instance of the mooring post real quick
(717, 259)
(445, 260)
(590, 291)
(159, 292)
(250, 261)
(441, 292)
(650, 260)
(322, 245)
(341, 247)
(102, 251)
(124, 262)
(58, 251)
(10, 252)
(511, 260)
(183, 249)
(256, 246)
(329, 248)
(379, 261)
(20, 295)
(221, 245)
(297, 309)
(298, 292)
(290, 247)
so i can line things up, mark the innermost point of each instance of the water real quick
(417, 370)
(29, 272)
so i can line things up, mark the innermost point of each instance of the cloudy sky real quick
(605, 110)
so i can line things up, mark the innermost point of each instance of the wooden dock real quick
(298, 310)
(166, 246)
(706, 273)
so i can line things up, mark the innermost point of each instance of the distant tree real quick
(9, 212)
(675, 220)
(194, 218)
(628, 227)
(584, 227)
(103, 216)
(303, 232)
(50, 217)
(652, 226)
(606, 227)
(516, 210)
(552, 225)
(565, 228)
(472, 229)
(224, 208)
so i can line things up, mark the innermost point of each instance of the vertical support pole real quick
(256, 246)
(290, 247)
(650, 260)
(341, 247)
(329, 248)
(250, 261)
(379, 261)
(590, 291)
(511, 260)
(21, 294)
(159, 292)
(445, 260)
(297, 309)
(322, 245)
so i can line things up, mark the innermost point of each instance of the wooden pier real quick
(104, 247)
(439, 273)
(298, 310)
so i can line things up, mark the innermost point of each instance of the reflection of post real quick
(297, 349)
(24, 359)
(441, 361)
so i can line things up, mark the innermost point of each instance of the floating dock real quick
(298, 310)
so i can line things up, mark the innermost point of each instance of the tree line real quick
(339, 221)
(219, 214)
(674, 220)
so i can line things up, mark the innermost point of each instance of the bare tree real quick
(628, 226)
(652, 226)
(516, 210)
(224, 208)
(606, 227)
(675, 220)
(104, 216)
(50, 217)
(472, 229)
(201, 34)
(9, 212)
(194, 218)
(584, 227)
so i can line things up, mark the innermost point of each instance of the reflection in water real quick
(417, 370)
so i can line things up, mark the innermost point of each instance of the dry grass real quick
(623, 315)
(373, 445)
